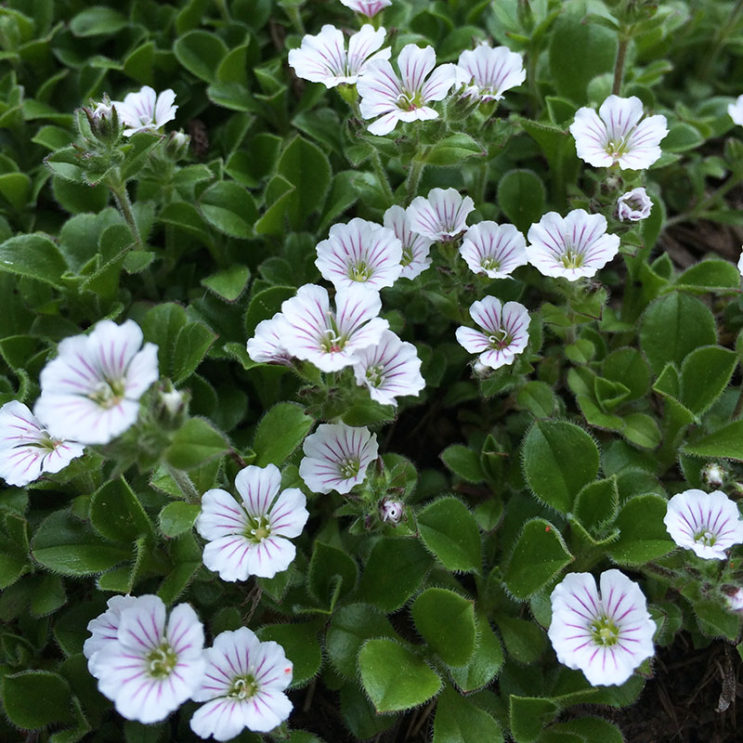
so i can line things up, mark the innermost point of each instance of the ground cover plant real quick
(369, 370)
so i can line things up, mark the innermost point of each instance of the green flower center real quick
(374, 375)
(407, 256)
(604, 632)
(500, 339)
(616, 148)
(360, 272)
(334, 340)
(572, 258)
(243, 687)
(161, 661)
(409, 101)
(257, 529)
(349, 468)
(490, 264)
(705, 537)
(108, 394)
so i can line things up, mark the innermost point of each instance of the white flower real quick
(415, 248)
(390, 369)
(151, 668)
(313, 332)
(368, 8)
(740, 263)
(145, 111)
(391, 511)
(336, 457)
(707, 523)
(605, 635)
(267, 346)
(490, 72)
(393, 99)
(734, 600)
(572, 247)
(493, 249)
(634, 205)
(323, 58)
(506, 333)
(360, 253)
(735, 111)
(104, 629)
(442, 215)
(26, 448)
(616, 134)
(242, 686)
(90, 392)
(251, 537)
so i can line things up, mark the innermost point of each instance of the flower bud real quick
(713, 475)
(177, 145)
(634, 205)
(391, 511)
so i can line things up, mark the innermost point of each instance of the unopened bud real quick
(391, 511)
(104, 120)
(713, 475)
(177, 145)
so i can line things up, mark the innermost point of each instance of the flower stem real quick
(384, 181)
(118, 189)
(183, 481)
(413, 179)
(619, 64)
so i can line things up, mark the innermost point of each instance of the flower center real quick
(706, 537)
(616, 149)
(407, 256)
(108, 394)
(490, 264)
(409, 101)
(572, 258)
(500, 339)
(604, 632)
(334, 340)
(360, 271)
(257, 529)
(243, 687)
(349, 468)
(374, 375)
(161, 661)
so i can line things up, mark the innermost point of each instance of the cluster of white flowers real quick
(89, 395)
(148, 664)
(145, 110)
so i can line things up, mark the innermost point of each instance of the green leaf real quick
(450, 532)
(682, 137)
(673, 326)
(228, 284)
(716, 621)
(462, 461)
(306, 167)
(453, 149)
(524, 640)
(459, 720)
(521, 197)
(301, 647)
(626, 365)
(446, 621)
(201, 53)
(332, 574)
(486, 660)
(558, 458)
(98, 21)
(709, 275)
(34, 256)
(281, 430)
(195, 443)
(538, 398)
(539, 555)
(229, 208)
(350, 626)
(529, 715)
(725, 442)
(48, 595)
(177, 518)
(116, 513)
(705, 374)
(390, 589)
(597, 503)
(641, 429)
(395, 678)
(23, 692)
(265, 304)
(642, 533)
(15, 187)
(588, 729)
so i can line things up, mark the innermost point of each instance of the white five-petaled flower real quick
(707, 523)
(243, 686)
(389, 370)
(313, 332)
(634, 205)
(104, 629)
(606, 635)
(151, 667)
(324, 59)
(735, 111)
(336, 457)
(251, 537)
(90, 393)
(574, 246)
(493, 249)
(369, 8)
(360, 253)
(145, 110)
(506, 333)
(616, 134)
(490, 72)
(405, 98)
(267, 346)
(441, 215)
(26, 448)
(415, 248)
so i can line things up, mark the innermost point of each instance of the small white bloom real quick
(415, 248)
(91, 391)
(242, 686)
(442, 215)
(102, 108)
(151, 668)
(506, 333)
(707, 523)
(26, 448)
(493, 249)
(735, 111)
(573, 247)
(145, 111)
(391, 511)
(404, 98)
(634, 205)
(313, 332)
(267, 346)
(605, 635)
(323, 58)
(360, 253)
(734, 600)
(104, 629)
(490, 72)
(390, 369)
(714, 475)
(336, 457)
(251, 537)
(616, 134)
(369, 8)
